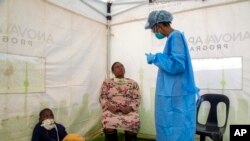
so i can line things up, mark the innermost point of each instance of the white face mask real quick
(48, 124)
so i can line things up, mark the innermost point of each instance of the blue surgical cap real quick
(158, 17)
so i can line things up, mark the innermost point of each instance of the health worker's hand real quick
(150, 57)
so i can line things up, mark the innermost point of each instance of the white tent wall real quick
(49, 57)
(218, 34)
(53, 54)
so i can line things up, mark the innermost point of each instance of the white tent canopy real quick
(56, 54)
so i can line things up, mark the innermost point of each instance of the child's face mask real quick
(48, 124)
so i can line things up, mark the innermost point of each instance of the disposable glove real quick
(150, 57)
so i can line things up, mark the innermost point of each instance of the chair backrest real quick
(214, 100)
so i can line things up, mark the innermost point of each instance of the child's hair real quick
(43, 110)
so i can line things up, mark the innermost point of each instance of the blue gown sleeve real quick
(173, 61)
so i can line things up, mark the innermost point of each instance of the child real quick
(47, 129)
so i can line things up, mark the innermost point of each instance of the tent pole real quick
(108, 47)
(108, 37)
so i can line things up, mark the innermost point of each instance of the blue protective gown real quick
(175, 107)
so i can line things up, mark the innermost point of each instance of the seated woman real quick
(120, 99)
(47, 129)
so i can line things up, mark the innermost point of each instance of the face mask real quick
(48, 124)
(159, 36)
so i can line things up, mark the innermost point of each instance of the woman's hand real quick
(113, 109)
(126, 110)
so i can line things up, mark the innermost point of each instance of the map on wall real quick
(21, 74)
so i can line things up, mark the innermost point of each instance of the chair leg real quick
(217, 138)
(202, 138)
